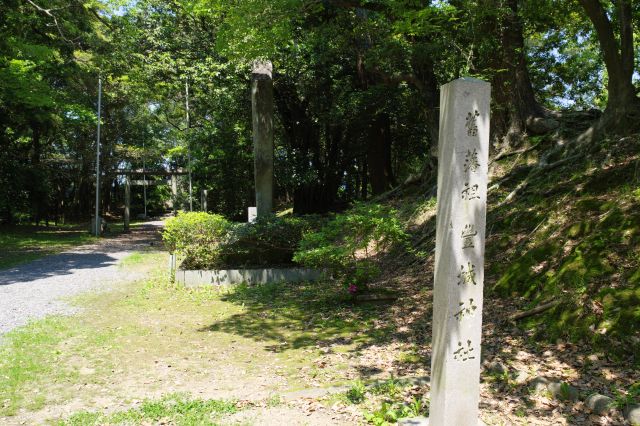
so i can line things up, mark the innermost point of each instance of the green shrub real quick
(209, 241)
(197, 236)
(346, 243)
(269, 241)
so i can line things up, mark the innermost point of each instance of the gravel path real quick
(33, 290)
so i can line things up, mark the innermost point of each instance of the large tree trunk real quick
(518, 110)
(379, 154)
(623, 106)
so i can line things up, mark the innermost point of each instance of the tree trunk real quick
(518, 110)
(623, 107)
(379, 154)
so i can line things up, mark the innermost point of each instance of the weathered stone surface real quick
(632, 414)
(103, 225)
(521, 377)
(463, 151)
(539, 385)
(599, 404)
(226, 277)
(252, 214)
(414, 421)
(496, 367)
(174, 193)
(262, 113)
(563, 391)
(204, 195)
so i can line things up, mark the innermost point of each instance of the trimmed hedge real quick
(209, 241)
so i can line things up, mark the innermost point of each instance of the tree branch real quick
(55, 20)
(357, 4)
(605, 33)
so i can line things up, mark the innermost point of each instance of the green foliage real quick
(623, 399)
(348, 242)
(389, 412)
(197, 236)
(270, 240)
(207, 241)
(356, 393)
(178, 409)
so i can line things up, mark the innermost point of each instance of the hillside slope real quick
(562, 234)
(565, 232)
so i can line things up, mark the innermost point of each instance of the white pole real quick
(188, 146)
(144, 177)
(97, 220)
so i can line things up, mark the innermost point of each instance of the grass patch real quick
(176, 409)
(386, 402)
(23, 243)
(28, 354)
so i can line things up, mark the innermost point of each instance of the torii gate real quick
(128, 182)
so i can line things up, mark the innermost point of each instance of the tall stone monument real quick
(463, 152)
(262, 112)
(127, 202)
(174, 194)
(204, 195)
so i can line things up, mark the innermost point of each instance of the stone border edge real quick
(230, 277)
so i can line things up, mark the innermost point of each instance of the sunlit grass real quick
(175, 409)
(25, 243)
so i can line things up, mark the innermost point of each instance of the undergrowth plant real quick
(208, 241)
(197, 236)
(348, 242)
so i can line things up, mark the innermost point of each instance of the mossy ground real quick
(574, 236)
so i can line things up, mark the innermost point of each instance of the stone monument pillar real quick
(262, 112)
(203, 199)
(174, 193)
(127, 202)
(463, 152)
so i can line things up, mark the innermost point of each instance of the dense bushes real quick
(196, 236)
(209, 241)
(270, 241)
(348, 242)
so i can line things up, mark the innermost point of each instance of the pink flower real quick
(353, 289)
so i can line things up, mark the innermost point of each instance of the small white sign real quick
(253, 214)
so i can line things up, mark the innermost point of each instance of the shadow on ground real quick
(92, 256)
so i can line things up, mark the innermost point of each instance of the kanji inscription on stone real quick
(470, 192)
(471, 163)
(467, 274)
(465, 352)
(472, 123)
(468, 233)
(466, 309)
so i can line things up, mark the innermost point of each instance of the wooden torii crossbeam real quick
(136, 172)
(129, 172)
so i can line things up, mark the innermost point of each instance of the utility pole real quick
(97, 219)
(144, 177)
(188, 145)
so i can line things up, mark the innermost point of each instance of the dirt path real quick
(33, 290)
